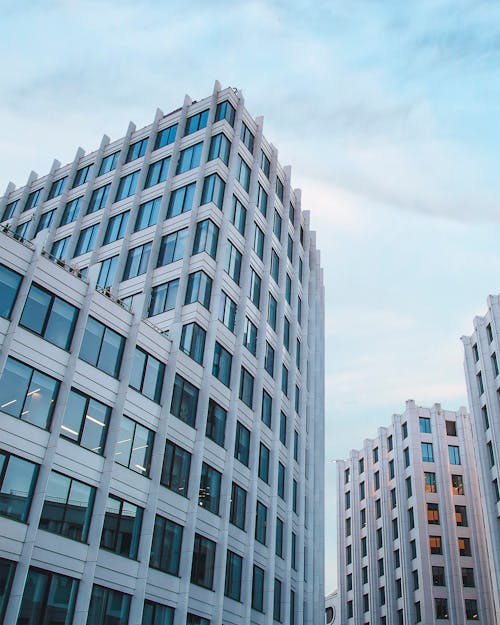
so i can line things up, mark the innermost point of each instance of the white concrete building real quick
(161, 383)
(332, 608)
(482, 351)
(410, 528)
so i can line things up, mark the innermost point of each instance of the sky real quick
(388, 113)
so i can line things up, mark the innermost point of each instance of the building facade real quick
(332, 609)
(482, 351)
(161, 382)
(410, 531)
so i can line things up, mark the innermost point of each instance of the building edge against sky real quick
(412, 546)
(190, 222)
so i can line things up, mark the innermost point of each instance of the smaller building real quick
(411, 532)
(332, 608)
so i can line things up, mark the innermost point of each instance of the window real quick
(32, 201)
(242, 444)
(227, 311)
(451, 428)
(102, 347)
(9, 211)
(491, 454)
(391, 469)
(296, 445)
(430, 482)
(435, 545)
(165, 137)
(406, 452)
(250, 336)
(461, 516)
(157, 614)
(258, 241)
(379, 535)
(82, 175)
(262, 200)
(454, 454)
(136, 150)
(264, 463)
(286, 334)
(378, 509)
(464, 546)
(213, 190)
(471, 612)
(348, 554)
(234, 569)
(246, 387)
(294, 551)
(237, 511)
(283, 428)
(409, 490)
(284, 380)
(277, 224)
(117, 225)
(175, 470)
(27, 394)
(86, 240)
(181, 200)
(172, 247)
(10, 281)
(128, 185)
(189, 158)
(289, 249)
(468, 577)
(480, 383)
(363, 547)
(347, 500)
(157, 172)
(295, 496)
(193, 341)
(247, 137)
(279, 537)
(427, 452)
(108, 606)
(288, 289)
(275, 267)
(254, 290)
(267, 408)
(49, 316)
(221, 367)
(243, 173)
(199, 289)
(7, 569)
(147, 215)
(22, 230)
(184, 400)
(269, 360)
(258, 589)
(163, 297)
(107, 272)
(45, 221)
(196, 122)
(457, 485)
(277, 601)
(281, 481)
(48, 598)
(202, 570)
(135, 446)
(489, 333)
(216, 423)
(393, 497)
(238, 215)
(233, 262)
(108, 163)
(225, 110)
(433, 514)
(475, 353)
(220, 146)
(209, 493)
(397, 558)
(86, 421)
(362, 493)
(17, 483)
(67, 509)
(299, 310)
(279, 189)
(441, 608)
(137, 261)
(272, 311)
(404, 430)
(206, 237)
(122, 527)
(265, 164)
(57, 188)
(71, 211)
(260, 522)
(438, 578)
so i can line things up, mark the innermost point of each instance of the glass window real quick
(181, 200)
(165, 137)
(225, 110)
(289, 249)
(86, 421)
(157, 172)
(260, 522)
(67, 509)
(238, 215)
(258, 589)
(176, 467)
(221, 367)
(117, 225)
(451, 427)
(82, 175)
(238, 508)
(216, 423)
(122, 527)
(277, 616)
(464, 547)
(264, 463)
(279, 189)
(275, 267)
(136, 150)
(7, 569)
(147, 375)
(277, 224)
(425, 425)
(206, 237)
(267, 408)
(254, 290)
(286, 334)
(49, 316)
(147, 215)
(435, 545)
(71, 211)
(156, 614)
(262, 200)
(199, 289)
(454, 454)
(471, 611)
(45, 221)
(135, 446)
(209, 493)
(242, 444)
(250, 336)
(243, 173)
(430, 482)
(9, 211)
(108, 163)
(227, 311)
(193, 341)
(10, 281)
(272, 312)
(184, 400)
(166, 546)
(86, 240)
(108, 607)
(137, 261)
(288, 289)
(281, 481)
(32, 201)
(265, 164)
(233, 262)
(269, 359)
(234, 569)
(17, 483)
(102, 347)
(457, 484)
(295, 496)
(299, 310)
(284, 380)
(98, 198)
(461, 516)
(213, 190)
(433, 514)
(196, 122)
(194, 619)
(60, 247)
(296, 446)
(107, 272)
(220, 147)
(189, 158)
(27, 394)
(247, 137)
(438, 578)
(57, 188)
(246, 387)
(127, 185)
(202, 570)
(283, 428)
(47, 598)
(427, 452)
(172, 247)
(441, 608)
(258, 242)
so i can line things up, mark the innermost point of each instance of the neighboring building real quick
(410, 529)
(332, 608)
(482, 354)
(171, 469)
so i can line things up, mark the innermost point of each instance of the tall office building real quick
(410, 532)
(161, 383)
(482, 351)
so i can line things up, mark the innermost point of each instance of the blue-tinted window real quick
(98, 198)
(57, 188)
(181, 200)
(7, 569)
(221, 367)
(220, 146)
(225, 110)
(260, 522)
(166, 549)
(284, 380)
(454, 454)
(206, 238)
(202, 569)
(199, 289)
(137, 261)
(108, 163)
(85, 421)
(86, 240)
(102, 347)
(184, 400)
(277, 224)
(10, 282)
(275, 266)
(279, 189)
(267, 408)
(258, 241)
(262, 200)
(243, 173)
(227, 311)
(45, 221)
(237, 511)
(269, 360)
(189, 158)
(196, 122)
(172, 247)
(165, 137)
(9, 210)
(213, 190)
(122, 527)
(233, 262)
(265, 164)
(82, 175)
(60, 247)
(234, 571)
(117, 225)
(247, 137)
(107, 272)
(136, 150)
(427, 452)
(254, 288)
(193, 341)
(264, 463)
(32, 201)
(147, 375)
(157, 172)
(127, 186)
(272, 310)
(258, 589)
(157, 614)
(283, 428)
(17, 483)
(250, 336)
(288, 289)
(147, 215)
(163, 297)
(71, 210)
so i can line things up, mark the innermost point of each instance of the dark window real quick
(269, 360)
(471, 612)
(99, 197)
(209, 493)
(451, 428)
(27, 394)
(102, 347)
(86, 421)
(166, 546)
(430, 482)
(157, 614)
(284, 380)
(238, 215)
(279, 189)
(10, 282)
(194, 619)
(172, 247)
(227, 311)
(277, 601)
(165, 137)
(461, 516)
(17, 483)
(441, 605)
(45, 221)
(279, 537)
(7, 569)
(247, 137)
(250, 336)
(135, 446)
(275, 267)
(136, 150)
(221, 367)
(265, 164)
(264, 463)
(438, 578)
(435, 545)
(234, 569)
(267, 408)
(457, 485)
(184, 400)
(122, 527)
(258, 588)
(9, 211)
(464, 546)
(216, 422)
(108, 607)
(233, 262)
(242, 444)
(202, 570)
(206, 237)
(258, 242)
(468, 577)
(272, 312)
(243, 173)
(237, 511)
(246, 387)
(262, 200)
(433, 514)
(59, 248)
(48, 598)
(260, 522)
(181, 200)
(225, 110)
(71, 211)
(176, 467)
(82, 175)
(32, 201)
